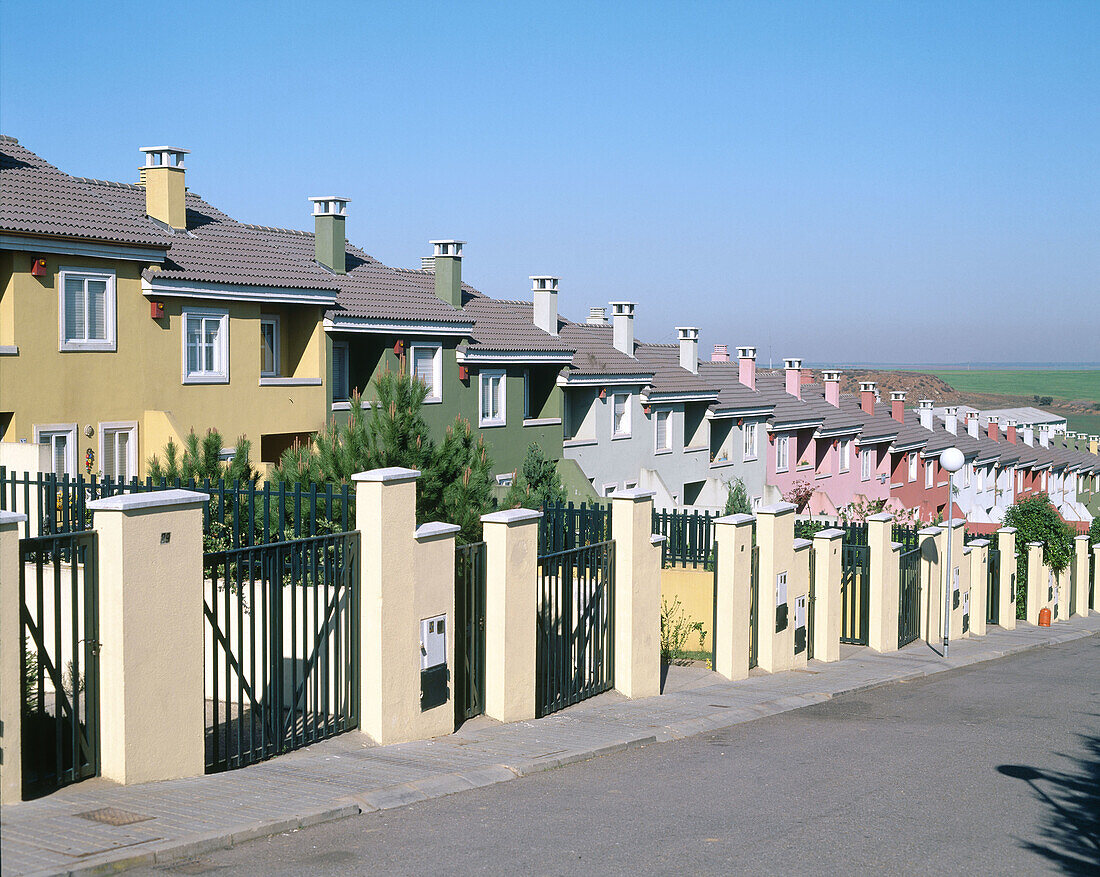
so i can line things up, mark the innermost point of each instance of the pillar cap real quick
(829, 533)
(657, 539)
(1034, 544)
(153, 499)
(881, 516)
(389, 475)
(930, 531)
(436, 530)
(736, 520)
(634, 494)
(980, 543)
(9, 518)
(1007, 530)
(799, 544)
(779, 508)
(511, 516)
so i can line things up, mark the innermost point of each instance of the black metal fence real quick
(754, 604)
(907, 536)
(855, 570)
(575, 649)
(689, 538)
(564, 526)
(469, 629)
(909, 596)
(282, 647)
(993, 586)
(59, 630)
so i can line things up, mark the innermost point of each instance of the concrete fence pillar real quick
(979, 586)
(733, 534)
(1081, 575)
(958, 577)
(11, 661)
(1006, 596)
(932, 566)
(152, 697)
(1095, 604)
(774, 611)
(884, 589)
(637, 601)
(798, 597)
(827, 593)
(407, 580)
(511, 610)
(1037, 583)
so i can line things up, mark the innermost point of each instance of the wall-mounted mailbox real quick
(781, 602)
(800, 624)
(1012, 586)
(1050, 586)
(955, 588)
(434, 674)
(966, 612)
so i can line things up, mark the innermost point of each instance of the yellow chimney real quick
(163, 178)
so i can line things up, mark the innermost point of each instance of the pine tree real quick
(737, 498)
(537, 483)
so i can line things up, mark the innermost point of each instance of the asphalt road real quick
(994, 769)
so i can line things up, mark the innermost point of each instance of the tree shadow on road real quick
(1071, 835)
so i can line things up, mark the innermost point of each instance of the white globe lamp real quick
(952, 459)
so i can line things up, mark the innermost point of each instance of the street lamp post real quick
(951, 460)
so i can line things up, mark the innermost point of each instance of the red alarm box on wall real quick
(38, 268)
(156, 309)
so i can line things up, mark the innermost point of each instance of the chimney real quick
(793, 369)
(1029, 435)
(924, 409)
(721, 353)
(689, 348)
(992, 429)
(544, 291)
(951, 419)
(447, 264)
(1044, 435)
(1010, 430)
(867, 396)
(329, 212)
(622, 321)
(746, 367)
(831, 380)
(972, 425)
(897, 405)
(1094, 443)
(597, 316)
(163, 179)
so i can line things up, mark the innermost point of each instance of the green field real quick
(1059, 384)
(1089, 423)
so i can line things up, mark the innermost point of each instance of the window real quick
(663, 430)
(929, 473)
(748, 434)
(427, 367)
(491, 391)
(61, 437)
(269, 347)
(205, 347)
(620, 414)
(118, 450)
(782, 453)
(981, 480)
(340, 382)
(966, 474)
(866, 457)
(1019, 482)
(87, 309)
(506, 479)
(608, 489)
(845, 456)
(526, 394)
(912, 467)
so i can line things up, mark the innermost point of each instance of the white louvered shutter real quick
(60, 453)
(74, 309)
(97, 309)
(424, 368)
(662, 430)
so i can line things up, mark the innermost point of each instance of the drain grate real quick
(113, 816)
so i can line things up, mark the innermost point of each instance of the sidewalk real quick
(346, 776)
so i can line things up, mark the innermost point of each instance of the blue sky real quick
(821, 179)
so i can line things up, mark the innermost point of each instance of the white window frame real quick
(750, 450)
(116, 426)
(607, 489)
(502, 418)
(782, 453)
(865, 467)
(276, 352)
(221, 376)
(436, 397)
(1019, 481)
(967, 471)
(844, 455)
(69, 429)
(929, 473)
(666, 413)
(914, 459)
(107, 343)
(627, 403)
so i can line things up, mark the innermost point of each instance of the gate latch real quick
(93, 645)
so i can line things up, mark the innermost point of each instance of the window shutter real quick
(424, 368)
(662, 429)
(74, 309)
(109, 456)
(60, 446)
(340, 372)
(97, 310)
(122, 456)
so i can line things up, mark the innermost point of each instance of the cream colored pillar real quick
(1036, 582)
(152, 703)
(407, 581)
(1006, 598)
(511, 609)
(958, 575)
(733, 535)
(883, 593)
(932, 577)
(1081, 575)
(827, 593)
(637, 594)
(774, 611)
(979, 586)
(798, 598)
(11, 661)
(1095, 604)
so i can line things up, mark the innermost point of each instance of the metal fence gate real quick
(754, 603)
(469, 629)
(855, 585)
(574, 656)
(1092, 579)
(909, 597)
(59, 629)
(993, 586)
(810, 608)
(282, 647)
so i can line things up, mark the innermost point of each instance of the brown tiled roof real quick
(732, 394)
(596, 353)
(662, 361)
(506, 326)
(38, 199)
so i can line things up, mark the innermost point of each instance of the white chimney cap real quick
(830, 376)
(746, 353)
(897, 396)
(926, 403)
(792, 363)
(448, 248)
(329, 205)
(622, 308)
(867, 386)
(688, 333)
(164, 156)
(545, 282)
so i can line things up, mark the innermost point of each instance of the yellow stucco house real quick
(130, 314)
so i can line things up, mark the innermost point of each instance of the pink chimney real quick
(721, 353)
(746, 366)
(897, 405)
(831, 380)
(867, 396)
(793, 368)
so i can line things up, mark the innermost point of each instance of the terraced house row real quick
(131, 313)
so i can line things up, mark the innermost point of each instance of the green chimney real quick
(329, 213)
(448, 271)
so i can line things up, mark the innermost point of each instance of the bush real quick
(1094, 531)
(675, 630)
(737, 498)
(537, 483)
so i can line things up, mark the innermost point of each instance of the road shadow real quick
(1071, 834)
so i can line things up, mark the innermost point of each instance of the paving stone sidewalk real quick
(348, 775)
